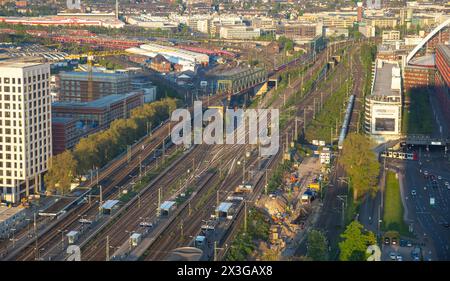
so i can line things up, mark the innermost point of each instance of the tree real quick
(317, 248)
(271, 255)
(361, 164)
(61, 172)
(355, 243)
(86, 154)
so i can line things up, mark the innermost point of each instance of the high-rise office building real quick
(25, 128)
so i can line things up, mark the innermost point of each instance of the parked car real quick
(413, 192)
(394, 241)
(403, 243)
(387, 241)
(393, 256)
(399, 258)
(416, 254)
(408, 243)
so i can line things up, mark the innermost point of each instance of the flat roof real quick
(63, 120)
(95, 75)
(98, 103)
(135, 235)
(7, 212)
(224, 207)
(72, 233)
(383, 81)
(108, 205)
(428, 60)
(167, 205)
(445, 49)
(200, 238)
(16, 64)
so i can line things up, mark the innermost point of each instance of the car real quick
(394, 241)
(439, 178)
(408, 244)
(446, 224)
(387, 241)
(413, 192)
(403, 243)
(399, 258)
(425, 173)
(393, 256)
(447, 183)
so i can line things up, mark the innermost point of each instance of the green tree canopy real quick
(360, 164)
(317, 248)
(355, 243)
(61, 172)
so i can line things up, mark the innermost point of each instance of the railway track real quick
(117, 177)
(164, 243)
(226, 240)
(52, 238)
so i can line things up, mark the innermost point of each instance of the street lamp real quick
(13, 238)
(62, 237)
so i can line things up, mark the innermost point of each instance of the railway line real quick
(120, 169)
(329, 221)
(117, 175)
(96, 248)
(164, 243)
(226, 240)
(122, 237)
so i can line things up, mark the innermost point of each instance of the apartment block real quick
(25, 128)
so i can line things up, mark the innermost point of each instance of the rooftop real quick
(98, 103)
(445, 50)
(7, 212)
(82, 75)
(224, 207)
(383, 81)
(16, 64)
(428, 60)
(110, 204)
(63, 120)
(167, 205)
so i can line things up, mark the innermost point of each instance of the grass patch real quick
(393, 207)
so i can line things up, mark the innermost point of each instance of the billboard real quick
(385, 124)
(385, 119)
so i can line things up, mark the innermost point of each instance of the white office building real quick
(239, 32)
(383, 116)
(25, 128)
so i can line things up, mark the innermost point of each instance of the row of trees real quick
(360, 164)
(98, 149)
(355, 242)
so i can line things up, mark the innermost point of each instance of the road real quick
(426, 221)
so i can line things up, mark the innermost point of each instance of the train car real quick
(346, 123)
(399, 155)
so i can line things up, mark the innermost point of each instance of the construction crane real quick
(90, 57)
